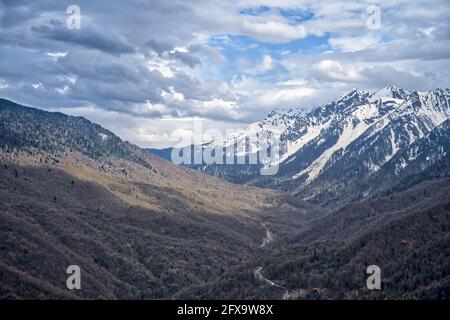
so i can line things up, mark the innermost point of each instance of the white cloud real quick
(219, 106)
(172, 96)
(62, 91)
(284, 97)
(161, 65)
(274, 31)
(294, 82)
(351, 44)
(254, 95)
(36, 85)
(334, 71)
(3, 84)
(267, 63)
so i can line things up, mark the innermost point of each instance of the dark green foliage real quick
(407, 235)
(24, 128)
(48, 224)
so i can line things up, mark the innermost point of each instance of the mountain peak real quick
(353, 93)
(282, 115)
(391, 92)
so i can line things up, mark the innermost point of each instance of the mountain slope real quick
(405, 234)
(138, 226)
(331, 152)
(51, 220)
(33, 137)
(348, 179)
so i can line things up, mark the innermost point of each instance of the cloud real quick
(266, 64)
(185, 57)
(330, 70)
(158, 46)
(3, 84)
(228, 62)
(91, 38)
(351, 44)
(386, 75)
(273, 31)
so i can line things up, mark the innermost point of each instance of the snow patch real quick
(348, 135)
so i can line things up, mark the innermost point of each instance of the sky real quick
(147, 69)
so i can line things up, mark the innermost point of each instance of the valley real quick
(139, 227)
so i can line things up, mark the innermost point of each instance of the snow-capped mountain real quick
(354, 114)
(333, 153)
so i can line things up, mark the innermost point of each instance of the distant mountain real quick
(334, 153)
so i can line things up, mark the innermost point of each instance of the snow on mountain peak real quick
(353, 94)
(390, 92)
(349, 117)
(350, 139)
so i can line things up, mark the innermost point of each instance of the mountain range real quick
(363, 180)
(350, 149)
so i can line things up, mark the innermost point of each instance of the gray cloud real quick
(159, 46)
(90, 37)
(153, 59)
(380, 76)
(185, 57)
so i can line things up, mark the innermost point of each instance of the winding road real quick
(257, 273)
(260, 277)
(268, 238)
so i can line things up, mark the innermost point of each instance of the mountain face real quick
(335, 153)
